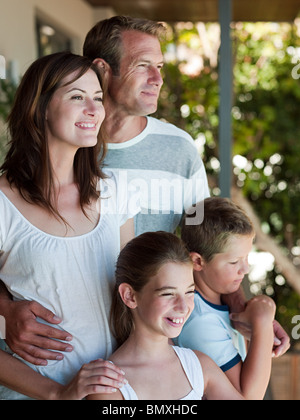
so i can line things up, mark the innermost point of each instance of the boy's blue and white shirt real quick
(208, 330)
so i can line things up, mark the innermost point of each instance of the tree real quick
(7, 94)
(266, 130)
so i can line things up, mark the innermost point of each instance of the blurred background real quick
(232, 80)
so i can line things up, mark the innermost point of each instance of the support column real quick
(225, 86)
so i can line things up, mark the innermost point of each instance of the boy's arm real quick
(237, 303)
(251, 377)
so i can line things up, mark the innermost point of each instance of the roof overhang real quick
(203, 10)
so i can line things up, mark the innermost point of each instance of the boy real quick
(219, 248)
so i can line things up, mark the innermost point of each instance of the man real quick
(153, 157)
(148, 155)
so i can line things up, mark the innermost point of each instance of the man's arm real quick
(282, 340)
(30, 339)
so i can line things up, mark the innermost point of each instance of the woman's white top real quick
(71, 276)
(193, 370)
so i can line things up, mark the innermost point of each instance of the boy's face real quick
(225, 272)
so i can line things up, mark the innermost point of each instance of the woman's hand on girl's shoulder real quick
(97, 377)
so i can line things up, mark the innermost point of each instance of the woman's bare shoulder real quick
(3, 182)
(7, 189)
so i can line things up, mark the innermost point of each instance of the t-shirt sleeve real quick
(208, 335)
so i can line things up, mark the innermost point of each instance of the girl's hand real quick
(98, 376)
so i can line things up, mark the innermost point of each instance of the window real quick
(50, 39)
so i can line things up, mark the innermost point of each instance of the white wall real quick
(17, 26)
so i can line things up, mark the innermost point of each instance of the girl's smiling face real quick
(166, 301)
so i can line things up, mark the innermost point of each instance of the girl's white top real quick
(71, 276)
(193, 370)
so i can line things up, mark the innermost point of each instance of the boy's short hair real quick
(222, 219)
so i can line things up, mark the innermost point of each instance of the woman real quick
(61, 222)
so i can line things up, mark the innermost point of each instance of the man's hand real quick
(282, 342)
(30, 339)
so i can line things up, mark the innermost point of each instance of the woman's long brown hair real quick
(27, 164)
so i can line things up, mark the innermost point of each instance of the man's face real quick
(136, 89)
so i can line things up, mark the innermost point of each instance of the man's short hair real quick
(104, 40)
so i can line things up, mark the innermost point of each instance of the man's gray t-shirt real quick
(163, 164)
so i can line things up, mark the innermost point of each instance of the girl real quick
(153, 297)
(62, 223)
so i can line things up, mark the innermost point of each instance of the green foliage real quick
(266, 130)
(7, 94)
